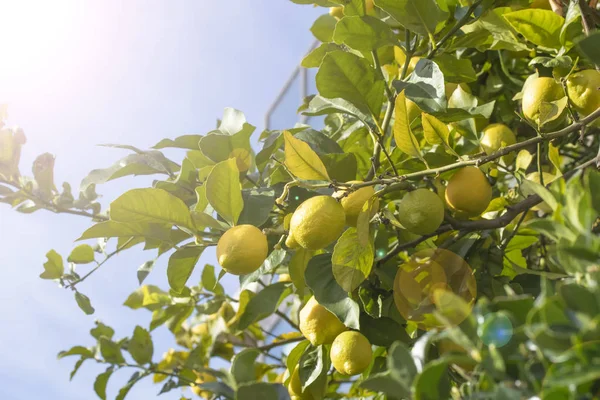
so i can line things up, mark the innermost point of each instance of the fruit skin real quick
(203, 378)
(242, 249)
(496, 136)
(317, 222)
(290, 242)
(354, 201)
(468, 192)
(351, 353)
(337, 12)
(295, 388)
(318, 324)
(583, 88)
(537, 91)
(421, 211)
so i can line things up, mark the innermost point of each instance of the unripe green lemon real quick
(295, 388)
(354, 202)
(584, 91)
(351, 353)
(468, 192)
(318, 324)
(496, 136)
(317, 222)
(421, 211)
(242, 249)
(537, 91)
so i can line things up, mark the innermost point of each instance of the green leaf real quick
(82, 254)
(524, 159)
(312, 364)
(319, 142)
(530, 187)
(302, 161)
(293, 359)
(102, 330)
(262, 390)
(552, 111)
(315, 57)
(340, 167)
(181, 265)
(349, 77)
(297, 267)
(425, 87)
(270, 264)
(263, 304)
(224, 192)
(258, 203)
(433, 382)
(84, 303)
(135, 378)
(363, 33)
(54, 267)
(209, 280)
(382, 331)
(319, 278)
(419, 16)
(77, 351)
(242, 366)
(572, 27)
(140, 346)
(144, 270)
(148, 296)
(589, 48)
(78, 365)
(456, 69)
(110, 351)
(352, 261)
(405, 139)
(151, 206)
(434, 130)
(101, 382)
(181, 142)
(323, 28)
(108, 229)
(541, 27)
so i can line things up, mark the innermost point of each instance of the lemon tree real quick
(435, 238)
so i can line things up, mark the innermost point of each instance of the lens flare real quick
(496, 330)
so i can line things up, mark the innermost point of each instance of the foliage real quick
(526, 327)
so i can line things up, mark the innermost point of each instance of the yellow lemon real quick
(317, 222)
(584, 91)
(242, 249)
(496, 136)
(290, 242)
(537, 91)
(318, 324)
(354, 202)
(295, 388)
(203, 378)
(421, 211)
(285, 278)
(468, 192)
(337, 12)
(351, 353)
(286, 221)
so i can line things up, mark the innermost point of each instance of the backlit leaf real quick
(224, 192)
(302, 161)
(352, 262)
(541, 27)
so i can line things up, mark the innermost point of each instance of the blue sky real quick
(76, 74)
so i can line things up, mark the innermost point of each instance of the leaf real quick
(405, 139)
(524, 159)
(54, 267)
(352, 262)
(319, 278)
(349, 77)
(433, 382)
(319, 142)
(84, 303)
(263, 304)
(181, 142)
(243, 366)
(224, 192)
(541, 27)
(530, 187)
(551, 111)
(315, 57)
(302, 161)
(78, 365)
(382, 331)
(101, 382)
(401, 365)
(270, 264)
(319, 105)
(588, 47)
(363, 33)
(144, 270)
(82, 254)
(419, 16)
(258, 203)
(434, 130)
(108, 229)
(181, 265)
(297, 266)
(261, 390)
(312, 364)
(102, 330)
(110, 351)
(151, 206)
(340, 167)
(293, 358)
(135, 378)
(76, 351)
(425, 87)
(456, 70)
(140, 346)
(323, 28)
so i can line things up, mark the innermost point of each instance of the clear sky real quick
(79, 73)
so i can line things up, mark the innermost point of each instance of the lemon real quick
(400, 57)
(317, 222)
(203, 378)
(337, 12)
(242, 249)
(496, 136)
(351, 353)
(537, 91)
(421, 212)
(290, 242)
(295, 388)
(468, 192)
(284, 278)
(584, 91)
(354, 202)
(286, 221)
(318, 324)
